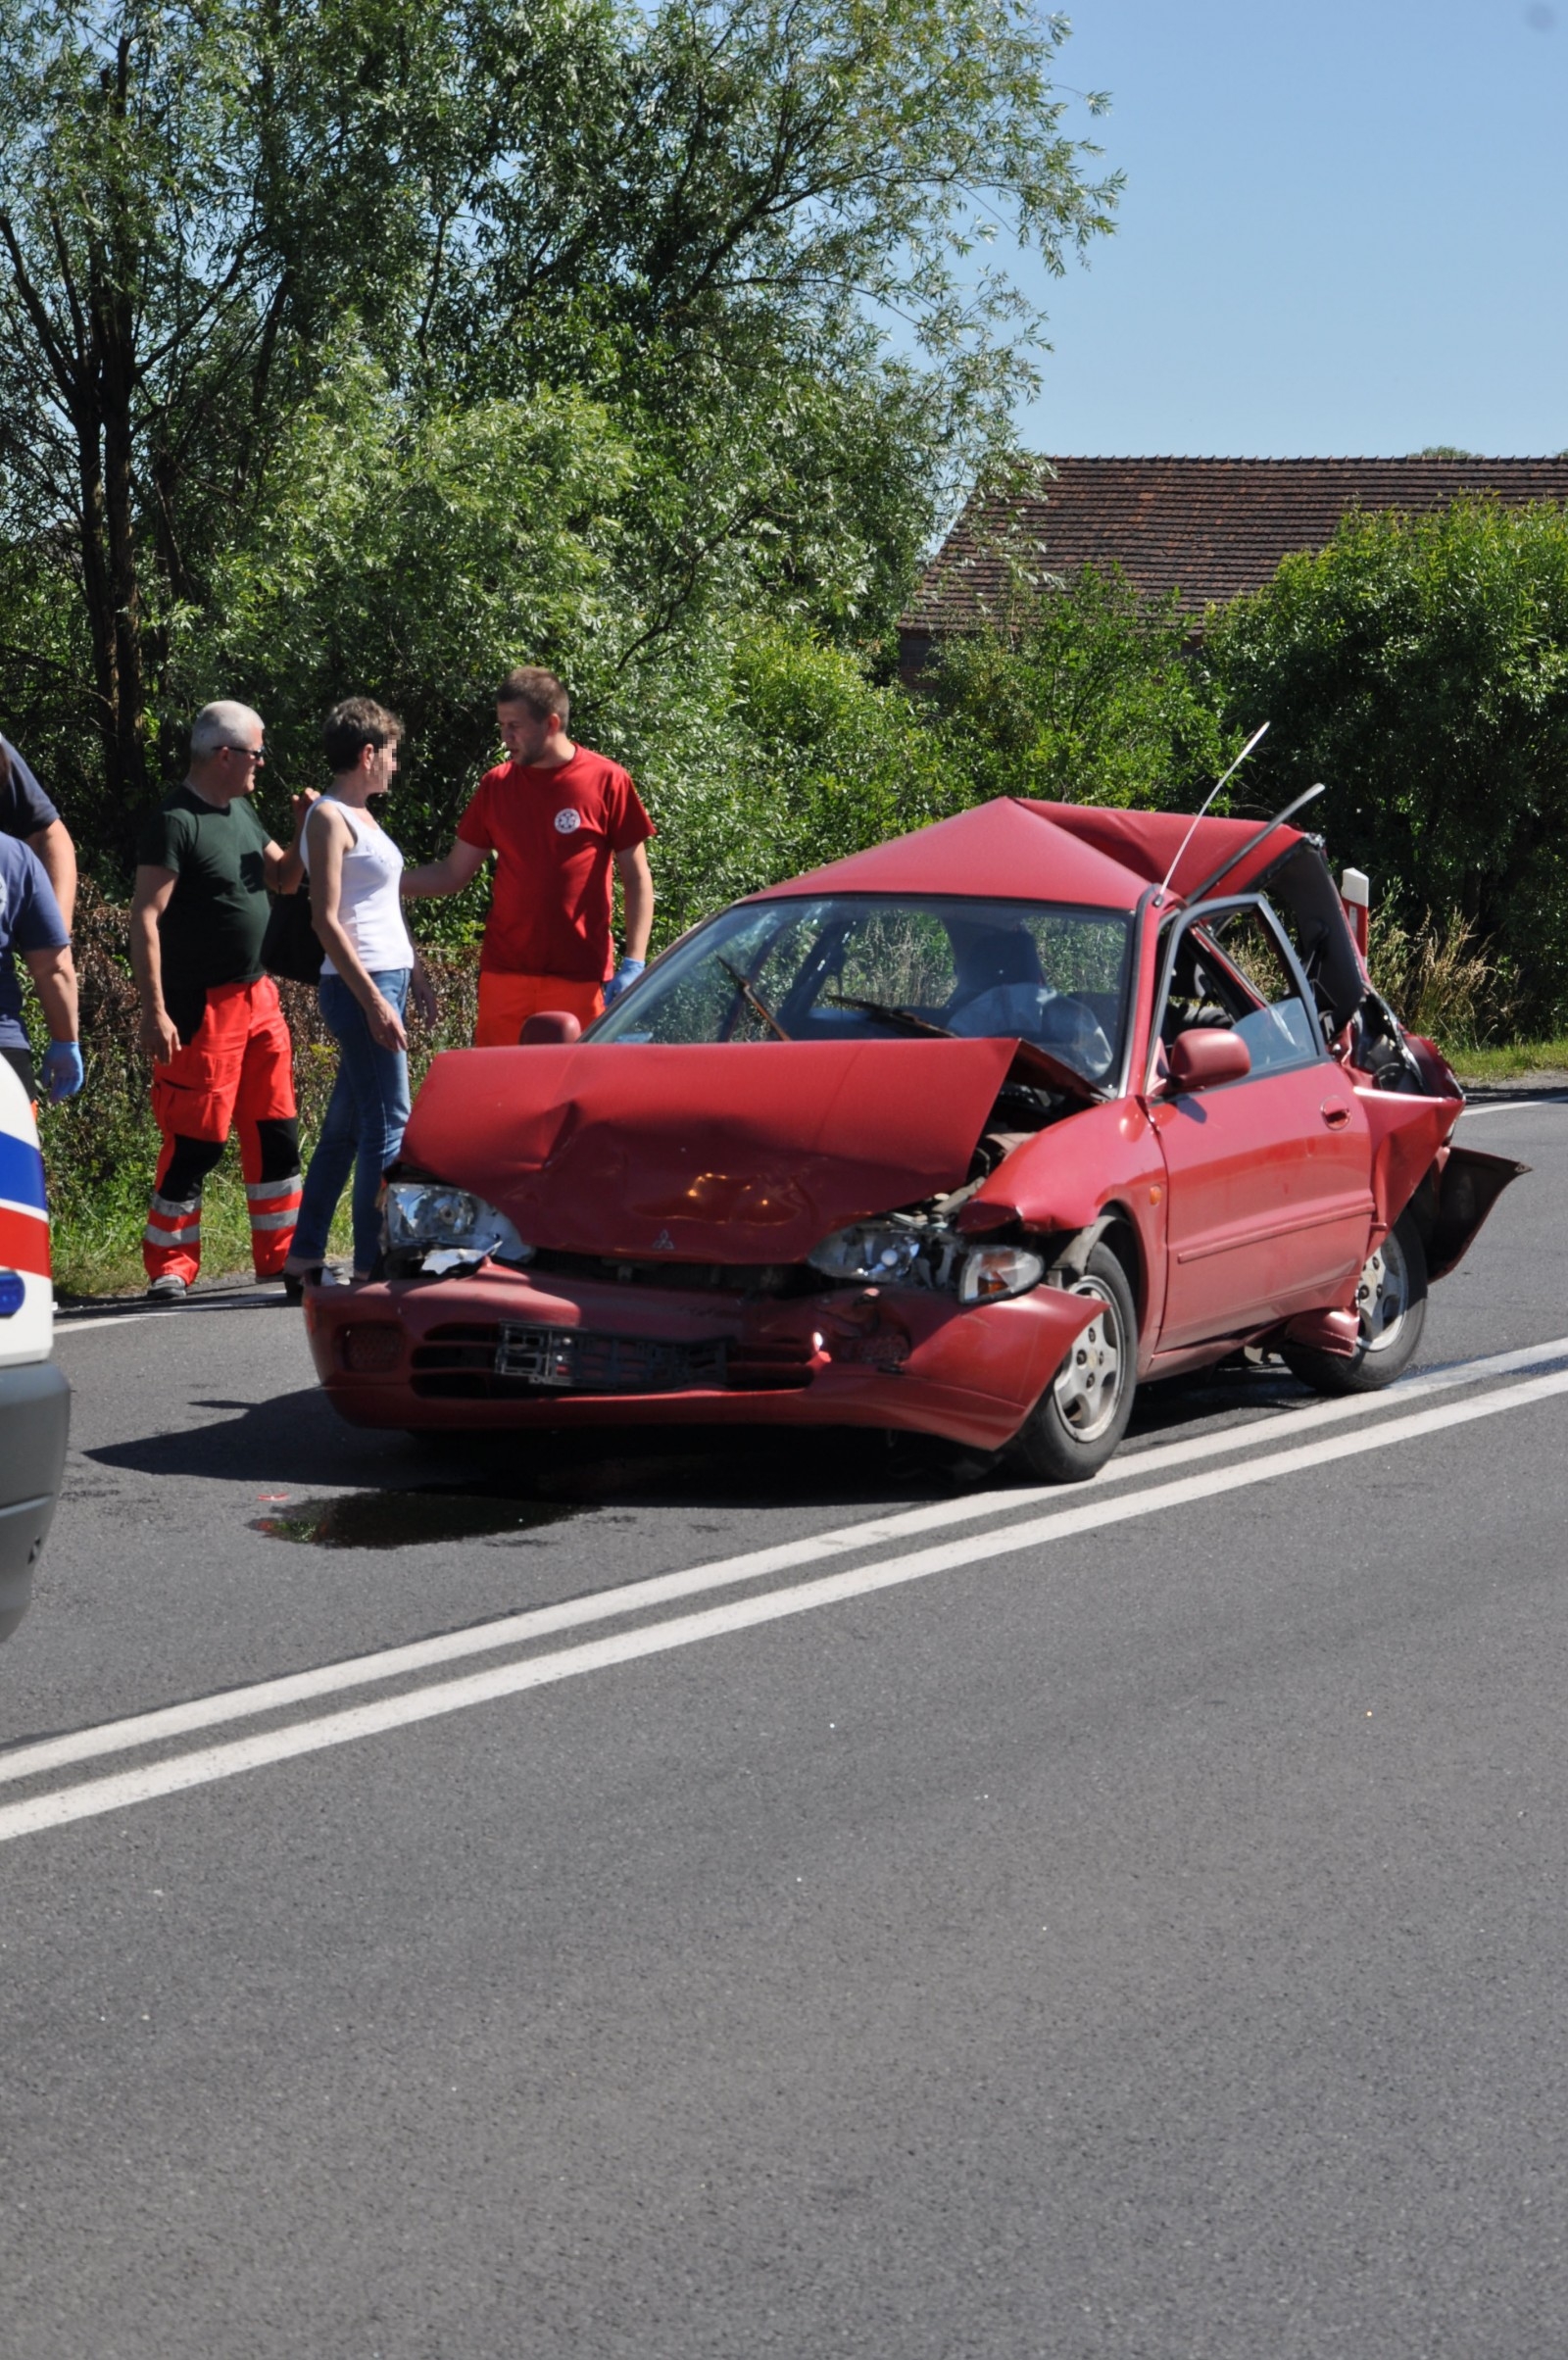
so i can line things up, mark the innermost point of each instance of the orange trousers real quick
(236, 1070)
(506, 1002)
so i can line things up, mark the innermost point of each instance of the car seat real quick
(989, 959)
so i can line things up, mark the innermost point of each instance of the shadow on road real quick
(295, 1441)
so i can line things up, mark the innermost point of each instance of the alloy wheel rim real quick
(1382, 1296)
(1088, 1387)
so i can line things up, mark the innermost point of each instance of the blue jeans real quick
(365, 1120)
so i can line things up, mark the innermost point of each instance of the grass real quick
(96, 1233)
(1510, 1060)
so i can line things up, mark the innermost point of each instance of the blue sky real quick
(1343, 231)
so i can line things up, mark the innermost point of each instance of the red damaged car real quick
(967, 1135)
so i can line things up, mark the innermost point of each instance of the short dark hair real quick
(531, 685)
(358, 723)
(5, 766)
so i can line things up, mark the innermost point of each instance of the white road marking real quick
(724, 1573)
(1510, 1105)
(90, 1797)
(67, 1324)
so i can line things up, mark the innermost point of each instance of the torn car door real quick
(1269, 1196)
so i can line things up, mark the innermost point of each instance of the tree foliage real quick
(810, 761)
(1420, 666)
(726, 262)
(403, 552)
(181, 209)
(1082, 692)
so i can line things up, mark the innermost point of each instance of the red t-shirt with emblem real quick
(554, 834)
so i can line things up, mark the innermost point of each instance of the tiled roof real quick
(1209, 529)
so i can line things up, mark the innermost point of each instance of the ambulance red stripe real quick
(25, 1242)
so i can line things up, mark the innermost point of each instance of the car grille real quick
(495, 1362)
(691, 1278)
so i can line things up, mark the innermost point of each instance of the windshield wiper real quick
(891, 1015)
(753, 999)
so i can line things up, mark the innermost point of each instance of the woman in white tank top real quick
(367, 976)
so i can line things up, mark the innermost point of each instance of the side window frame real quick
(1202, 913)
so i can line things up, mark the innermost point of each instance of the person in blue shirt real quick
(30, 923)
(25, 811)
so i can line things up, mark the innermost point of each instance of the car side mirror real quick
(555, 1024)
(1202, 1059)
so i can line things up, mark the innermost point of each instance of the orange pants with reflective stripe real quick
(506, 1002)
(235, 1073)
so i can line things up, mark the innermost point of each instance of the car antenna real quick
(1207, 800)
(1253, 842)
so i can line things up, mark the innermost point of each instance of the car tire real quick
(1392, 1301)
(1082, 1415)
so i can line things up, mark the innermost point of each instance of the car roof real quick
(1015, 849)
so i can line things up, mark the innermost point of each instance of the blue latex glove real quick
(62, 1072)
(627, 972)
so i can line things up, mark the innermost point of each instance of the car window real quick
(872, 967)
(901, 956)
(1233, 973)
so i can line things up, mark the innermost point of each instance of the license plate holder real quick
(579, 1360)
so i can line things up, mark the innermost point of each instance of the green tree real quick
(1420, 666)
(404, 553)
(786, 755)
(187, 192)
(1080, 693)
(722, 221)
(400, 557)
(712, 222)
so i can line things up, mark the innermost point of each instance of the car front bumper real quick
(503, 1349)
(34, 1422)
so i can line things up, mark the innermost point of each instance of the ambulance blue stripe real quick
(22, 1173)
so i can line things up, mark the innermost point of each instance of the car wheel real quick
(1082, 1415)
(1391, 1303)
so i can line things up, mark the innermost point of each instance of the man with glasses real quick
(210, 1016)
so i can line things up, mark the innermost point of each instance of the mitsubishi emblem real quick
(663, 1242)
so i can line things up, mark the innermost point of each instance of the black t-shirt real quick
(24, 807)
(211, 931)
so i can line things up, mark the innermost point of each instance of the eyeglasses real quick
(247, 753)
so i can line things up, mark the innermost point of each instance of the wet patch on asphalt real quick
(407, 1519)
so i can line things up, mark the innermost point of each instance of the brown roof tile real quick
(1209, 529)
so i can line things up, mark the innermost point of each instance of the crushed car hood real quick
(748, 1152)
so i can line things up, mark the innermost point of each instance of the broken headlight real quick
(874, 1250)
(922, 1253)
(450, 1228)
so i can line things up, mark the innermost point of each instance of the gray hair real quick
(224, 723)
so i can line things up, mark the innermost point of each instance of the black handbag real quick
(290, 949)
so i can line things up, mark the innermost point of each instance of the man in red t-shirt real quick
(562, 823)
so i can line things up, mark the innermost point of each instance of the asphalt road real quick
(1117, 1922)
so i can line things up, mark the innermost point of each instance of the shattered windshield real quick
(862, 967)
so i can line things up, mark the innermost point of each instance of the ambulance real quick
(34, 1397)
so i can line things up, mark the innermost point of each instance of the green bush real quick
(1084, 693)
(1420, 666)
(783, 757)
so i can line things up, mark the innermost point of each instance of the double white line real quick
(1090, 1511)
